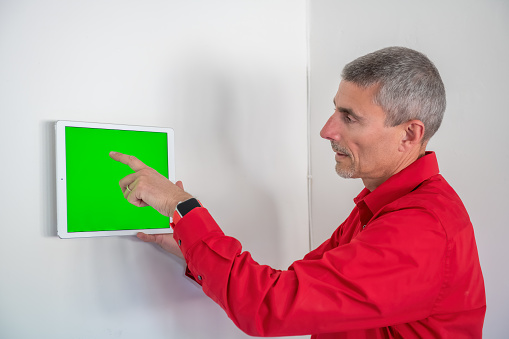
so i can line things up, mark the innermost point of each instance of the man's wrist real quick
(183, 208)
(180, 197)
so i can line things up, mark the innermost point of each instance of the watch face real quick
(187, 206)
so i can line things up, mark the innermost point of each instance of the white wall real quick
(228, 76)
(468, 42)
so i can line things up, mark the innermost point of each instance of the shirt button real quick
(199, 277)
(363, 227)
(180, 242)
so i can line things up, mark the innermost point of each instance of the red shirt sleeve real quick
(390, 273)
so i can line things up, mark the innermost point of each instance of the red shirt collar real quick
(400, 183)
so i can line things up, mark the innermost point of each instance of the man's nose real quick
(330, 130)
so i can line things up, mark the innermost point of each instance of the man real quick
(404, 264)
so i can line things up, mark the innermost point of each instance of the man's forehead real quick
(349, 96)
(355, 98)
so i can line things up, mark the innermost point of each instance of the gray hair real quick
(410, 86)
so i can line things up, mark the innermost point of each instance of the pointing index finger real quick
(130, 160)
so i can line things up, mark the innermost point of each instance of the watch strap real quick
(184, 207)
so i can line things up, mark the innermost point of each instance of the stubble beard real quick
(346, 173)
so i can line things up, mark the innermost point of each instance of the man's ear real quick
(412, 134)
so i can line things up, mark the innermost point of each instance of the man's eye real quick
(347, 118)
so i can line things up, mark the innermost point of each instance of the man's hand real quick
(149, 188)
(146, 187)
(166, 241)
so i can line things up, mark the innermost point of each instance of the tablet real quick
(90, 202)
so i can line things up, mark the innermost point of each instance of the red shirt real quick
(404, 264)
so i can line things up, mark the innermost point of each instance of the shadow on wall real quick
(48, 191)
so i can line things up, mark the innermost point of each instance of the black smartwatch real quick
(184, 207)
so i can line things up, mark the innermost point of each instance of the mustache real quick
(339, 149)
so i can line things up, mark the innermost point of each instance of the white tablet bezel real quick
(61, 178)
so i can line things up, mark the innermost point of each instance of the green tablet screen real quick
(94, 198)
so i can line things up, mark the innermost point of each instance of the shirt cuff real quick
(194, 227)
